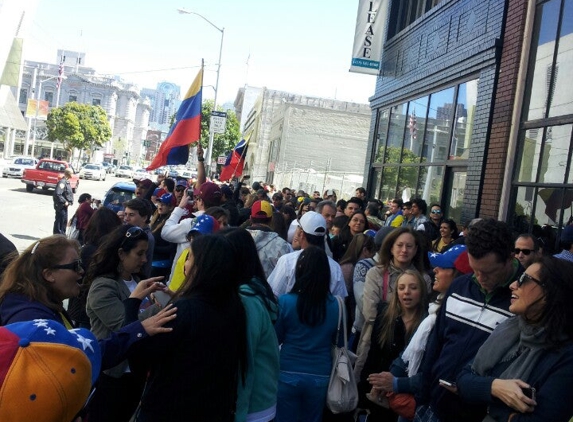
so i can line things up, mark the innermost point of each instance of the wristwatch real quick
(200, 159)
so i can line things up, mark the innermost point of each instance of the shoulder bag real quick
(342, 393)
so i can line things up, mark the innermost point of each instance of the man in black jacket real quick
(63, 198)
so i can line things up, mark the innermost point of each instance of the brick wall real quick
(503, 108)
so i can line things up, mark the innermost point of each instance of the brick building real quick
(472, 110)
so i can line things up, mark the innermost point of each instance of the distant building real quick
(128, 113)
(303, 142)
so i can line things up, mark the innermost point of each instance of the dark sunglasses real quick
(436, 211)
(526, 252)
(525, 277)
(132, 232)
(74, 266)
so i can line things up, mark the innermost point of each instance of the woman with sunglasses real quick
(524, 370)
(36, 283)
(113, 276)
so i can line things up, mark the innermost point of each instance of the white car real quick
(124, 171)
(93, 171)
(18, 165)
(140, 174)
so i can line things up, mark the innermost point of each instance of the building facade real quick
(303, 142)
(466, 96)
(128, 113)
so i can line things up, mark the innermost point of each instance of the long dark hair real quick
(106, 258)
(102, 222)
(357, 244)
(215, 279)
(557, 315)
(250, 270)
(312, 285)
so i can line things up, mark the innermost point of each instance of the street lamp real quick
(211, 129)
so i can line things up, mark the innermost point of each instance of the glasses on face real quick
(74, 266)
(436, 211)
(526, 252)
(525, 277)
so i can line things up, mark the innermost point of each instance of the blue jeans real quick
(301, 397)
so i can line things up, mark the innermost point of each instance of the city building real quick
(303, 142)
(128, 113)
(472, 110)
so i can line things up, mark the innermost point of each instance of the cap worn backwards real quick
(46, 371)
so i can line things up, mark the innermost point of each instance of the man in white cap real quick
(310, 232)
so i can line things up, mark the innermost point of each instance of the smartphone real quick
(529, 392)
(447, 383)
(162, 298)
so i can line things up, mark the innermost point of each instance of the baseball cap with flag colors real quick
(261, 209)
(46, 371)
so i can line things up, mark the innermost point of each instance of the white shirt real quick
(282, 278)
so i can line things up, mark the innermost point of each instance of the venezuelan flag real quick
(235, 162)
(185, 130)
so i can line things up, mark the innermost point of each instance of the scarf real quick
(513, 340)
(415, 351)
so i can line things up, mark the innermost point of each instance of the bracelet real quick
(201, 159)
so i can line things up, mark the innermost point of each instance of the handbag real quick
(72, 231)
(342, 393)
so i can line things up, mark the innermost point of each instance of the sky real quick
(298, 46)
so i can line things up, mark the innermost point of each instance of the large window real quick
(416, 141)
(543, 178)
(404, 12)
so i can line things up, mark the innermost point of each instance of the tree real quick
(80, 126)
(408, 176)
(223, 143)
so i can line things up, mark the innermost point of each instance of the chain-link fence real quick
(309, 180)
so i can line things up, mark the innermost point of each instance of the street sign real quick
(219, 121)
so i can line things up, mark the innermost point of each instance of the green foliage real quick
(80, 126)
(223, 143)
(408, 176)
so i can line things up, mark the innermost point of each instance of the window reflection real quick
(430, 183)
(381, 134)
(555, 153)
(543, 58)
(376, 182)
(389, 178)
(561, 98)
(407, 179)
(396, 132)
(440, 115)
(416, 126)
(464, 120)
(521, 219)
(530, 155)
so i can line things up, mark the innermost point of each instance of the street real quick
(26, 217)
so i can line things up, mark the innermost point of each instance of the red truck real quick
(47, 174)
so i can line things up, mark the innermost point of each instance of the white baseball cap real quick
(313, 223)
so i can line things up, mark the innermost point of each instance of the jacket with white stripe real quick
(466, 318)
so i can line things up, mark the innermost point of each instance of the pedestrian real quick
(83, 215)
(306, 329)
(194, 370)
(63, 198)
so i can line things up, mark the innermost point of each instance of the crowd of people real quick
(217, 302)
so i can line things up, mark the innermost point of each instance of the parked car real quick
(47, 174)
(107, 166)
(140, 174)
(18, 165)
(118, 194)
(173, 173)
(124, 171)
(93, 171)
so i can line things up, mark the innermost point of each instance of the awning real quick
(10, 114)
